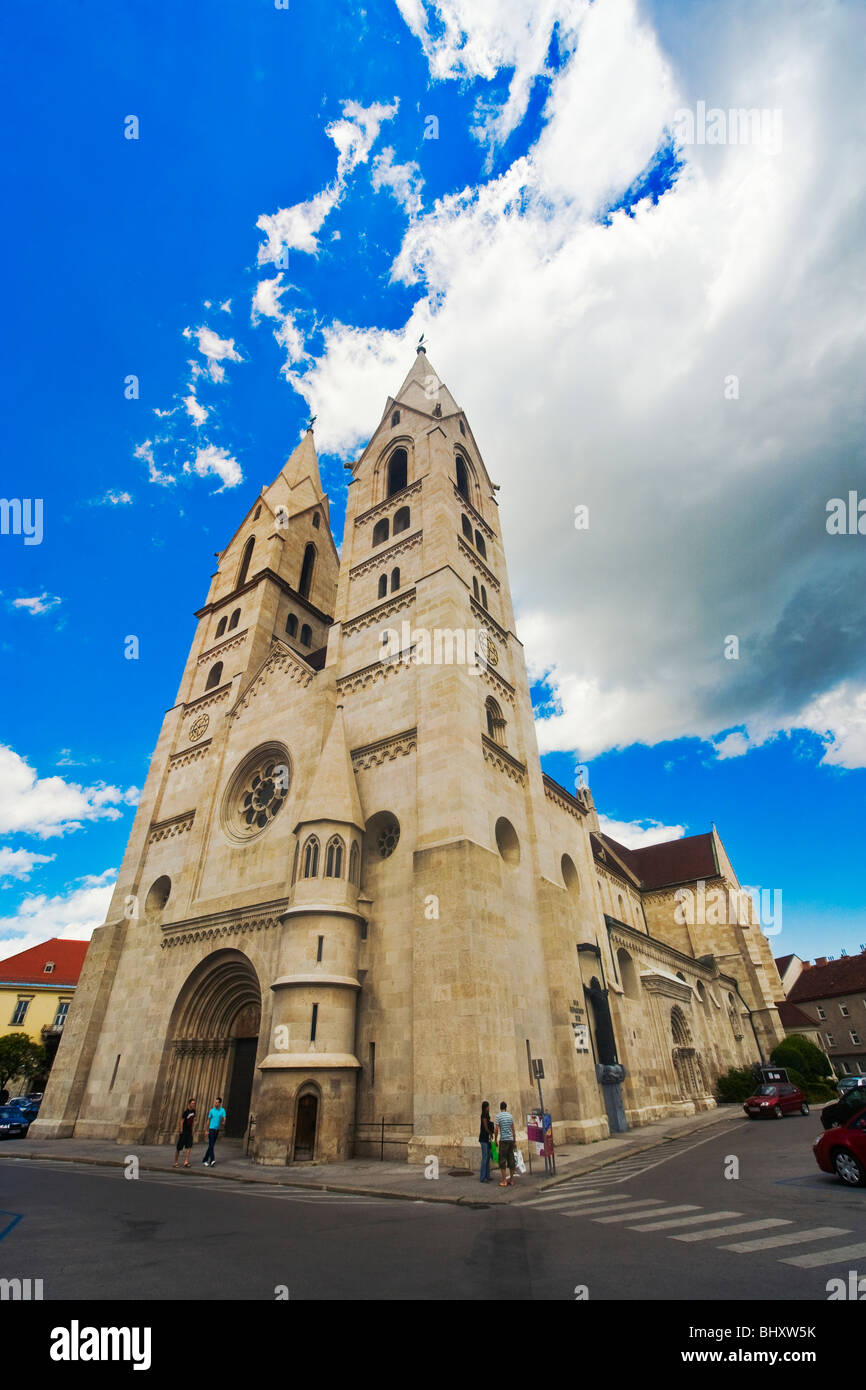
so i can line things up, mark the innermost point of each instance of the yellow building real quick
(36, 988)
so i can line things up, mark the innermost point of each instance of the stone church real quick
(352, 903)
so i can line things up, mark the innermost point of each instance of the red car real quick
(776, 1100)
(842, 1150)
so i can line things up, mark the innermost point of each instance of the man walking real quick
(215, 1117)
(505, 1140)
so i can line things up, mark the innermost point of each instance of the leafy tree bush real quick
(735, 1085)
(817, 1092)
(20, 1057)
(798, 1052)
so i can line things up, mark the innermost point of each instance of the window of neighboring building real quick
(831, 1041)
(62, 1011)
(843, 1009)
(855, 1038)
(48, 968)
(306, 635)
(20, 1010)
(821, 1013)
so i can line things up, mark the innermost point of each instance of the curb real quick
(632, 1151)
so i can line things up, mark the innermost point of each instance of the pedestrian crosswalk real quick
(690, 1223)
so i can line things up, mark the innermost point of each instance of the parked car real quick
(14, 1122)
(850, 1083)
(842, 1150)
(838, 1111)
(775, 1101)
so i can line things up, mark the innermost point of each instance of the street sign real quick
(538, 1068)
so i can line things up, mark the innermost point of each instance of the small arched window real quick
(334, 858)
(306, 635)
(495, 722)
(462, 478)
(401, 520)
(395, 579)
(311, 858)
(221, 626)
(307, 571)
(467, 527)
(479, 544)
(354, 862)
(317, 520)
(292, 625)
(215, 676)
(395, 418)
(380, 532)
(483, 597)
(397, 471)
(234, 619)
(257, 513)
(383, 585)
(462, 426)
(245, 562)
(475, 589)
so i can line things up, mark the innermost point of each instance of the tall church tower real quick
(352, 904)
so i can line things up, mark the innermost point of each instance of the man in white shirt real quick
(505, 1140)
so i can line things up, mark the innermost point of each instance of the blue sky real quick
(586, 285)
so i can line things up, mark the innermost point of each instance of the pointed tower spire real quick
(333, 795)
(303, 463)
(424, 390)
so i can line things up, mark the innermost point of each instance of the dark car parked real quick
(839, 1111)
(776, 1100)
(15, 1121)
(842, 1149)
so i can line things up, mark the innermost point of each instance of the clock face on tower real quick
(199, 727)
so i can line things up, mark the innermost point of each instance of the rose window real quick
(386, 840)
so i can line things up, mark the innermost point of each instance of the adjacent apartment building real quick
(831, 994)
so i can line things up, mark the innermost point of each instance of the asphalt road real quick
(92, 1234)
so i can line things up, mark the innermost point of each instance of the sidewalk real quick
(372, 1178)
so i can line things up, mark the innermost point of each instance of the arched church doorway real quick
(688, 1068)
(212, 1043)
(306, 1121)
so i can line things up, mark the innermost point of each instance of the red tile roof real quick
(844, 976)
(782, 963)
(792, 1017)
(675, 861)
(28, 967)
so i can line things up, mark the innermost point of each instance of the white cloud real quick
(733, 745)
(297, 227)
(266, 300)
(48, 806)
(39, 603)
(214, 349)
(226, 306)
(403, 180)
(212, 460)
(594, 361)
(114, 499)
(20, 863)
(71, 916)
(637, 834)
(155, 474)
(194, 409)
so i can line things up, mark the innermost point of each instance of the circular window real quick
(158, 895)
(256, 793)
(383, 834)
(507, 842)
(570, 875)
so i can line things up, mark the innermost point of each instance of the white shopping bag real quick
(518, 1161)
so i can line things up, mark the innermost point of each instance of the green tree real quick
(20, 1057)
(737, 1084)
(801, 1054)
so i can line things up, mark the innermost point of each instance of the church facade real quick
(352, 903)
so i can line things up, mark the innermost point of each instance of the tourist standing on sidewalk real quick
(484, 1137)
(216, 1116)
(184, 1139)
(505, 1140)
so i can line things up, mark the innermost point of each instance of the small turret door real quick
(305, 1128)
